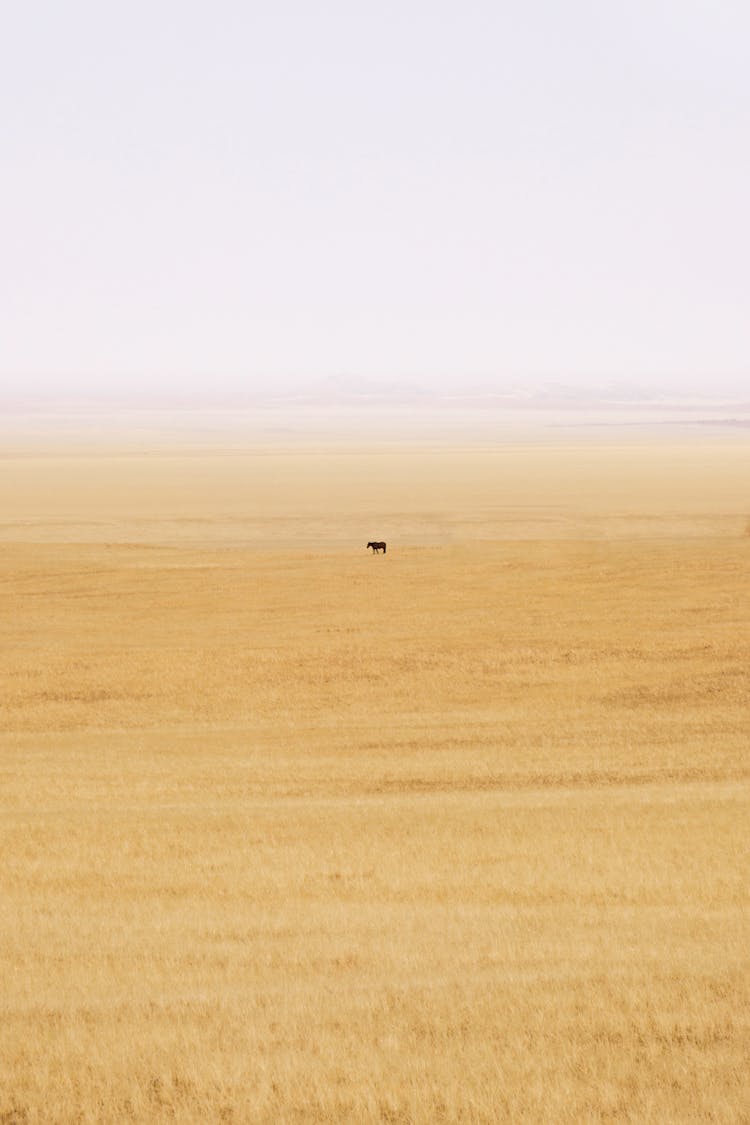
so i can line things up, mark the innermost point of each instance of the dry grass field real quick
(292, 833)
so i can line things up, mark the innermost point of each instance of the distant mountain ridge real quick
(362, 391)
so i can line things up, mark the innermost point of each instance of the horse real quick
(376, 547)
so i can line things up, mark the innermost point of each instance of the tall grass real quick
(456, 835)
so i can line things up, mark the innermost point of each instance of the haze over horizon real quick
(254, 199)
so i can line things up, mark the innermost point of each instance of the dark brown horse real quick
(376, 547)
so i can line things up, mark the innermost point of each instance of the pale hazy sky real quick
(225, 194)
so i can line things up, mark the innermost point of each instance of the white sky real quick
(228, 195)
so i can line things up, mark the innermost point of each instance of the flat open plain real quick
(292, 833)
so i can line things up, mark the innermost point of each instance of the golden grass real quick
(454, 834)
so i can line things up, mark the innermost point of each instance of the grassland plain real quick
(291, 833)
